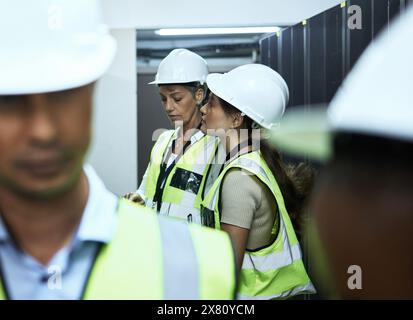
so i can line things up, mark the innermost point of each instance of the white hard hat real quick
(256, 90)
(50, 45)
(181, 66)
(375, 99)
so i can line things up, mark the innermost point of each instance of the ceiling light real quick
(211, 31)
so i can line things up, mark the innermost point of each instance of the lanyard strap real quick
(231, 154)
(235, 152)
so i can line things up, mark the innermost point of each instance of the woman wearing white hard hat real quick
(248, 191)
(179, 159)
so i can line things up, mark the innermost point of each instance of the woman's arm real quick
(240, 197)
(142, 187)
(239, 238)
(139, 195)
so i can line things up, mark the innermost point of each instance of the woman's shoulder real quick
(242, 182)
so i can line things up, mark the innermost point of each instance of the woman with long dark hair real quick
(249, 191)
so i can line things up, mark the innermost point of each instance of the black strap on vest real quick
(99, 249)
(165, 171)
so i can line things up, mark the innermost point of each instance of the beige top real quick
(248, 203)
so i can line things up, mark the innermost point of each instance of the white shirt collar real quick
(99, 217)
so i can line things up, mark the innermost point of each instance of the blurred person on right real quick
(362, 205)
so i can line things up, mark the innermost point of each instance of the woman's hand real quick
(134, 197)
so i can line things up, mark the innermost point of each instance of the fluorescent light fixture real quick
(204, 31)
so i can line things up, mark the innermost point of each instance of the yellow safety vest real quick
(181, 197)
(276, 271)
(152, 257)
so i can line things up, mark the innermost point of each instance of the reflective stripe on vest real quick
(182, 193)
(276, 271)
(152, 257)
(181, 250)
(308, 287)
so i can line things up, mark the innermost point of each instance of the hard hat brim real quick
(304, 133)
(56, 70)
(216, 84)
(172, 82)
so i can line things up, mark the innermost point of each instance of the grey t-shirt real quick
(248, 203)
